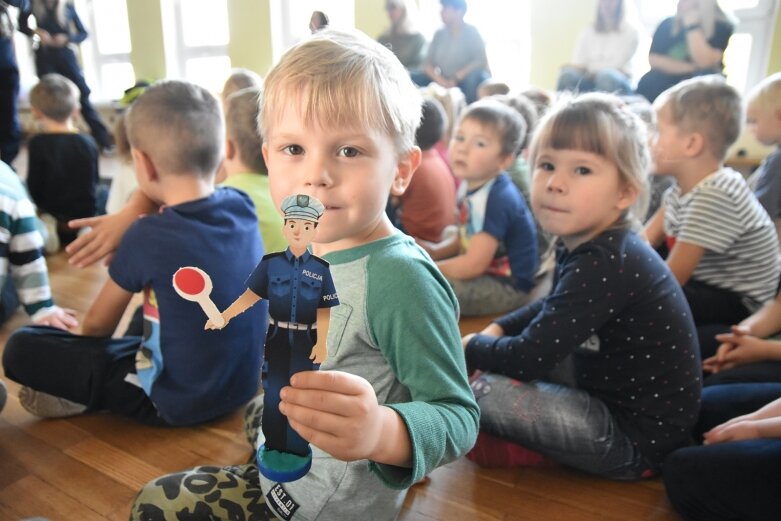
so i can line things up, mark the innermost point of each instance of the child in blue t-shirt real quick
(615, 312)
(175, 373)
(492, 259)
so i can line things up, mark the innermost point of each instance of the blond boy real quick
(722, 245)
(764, 120)
(243, 167)
(391, 402)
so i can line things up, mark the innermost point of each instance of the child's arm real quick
(339, 413)
(107, 231)
(105, 313)
(763, 423)
(449, 246)
(738, 348)
(683, 260)
(245, 301)
(766, 321)
(654, 228)
(473, 263)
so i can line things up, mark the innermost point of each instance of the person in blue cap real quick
(300, 294)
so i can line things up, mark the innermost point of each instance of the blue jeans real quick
(608, 80)
(563, 423)
(468, 85)
(727, 481)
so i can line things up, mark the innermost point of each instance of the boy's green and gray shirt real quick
(397, 328)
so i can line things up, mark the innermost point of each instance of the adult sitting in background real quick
(10, 127)
(456, 56)
(689, 44)
(406, 42)
(602, 53)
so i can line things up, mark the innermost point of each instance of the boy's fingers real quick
(334, 381)
(317, 400)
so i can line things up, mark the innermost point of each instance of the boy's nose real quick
(317, 174)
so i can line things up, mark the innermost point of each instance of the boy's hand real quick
(56, 317)
(98, 243)
(338, 412)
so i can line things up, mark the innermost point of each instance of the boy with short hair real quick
(764, 120)
(492, 259)
(723, 246)
(243, 166)
(176, 374)
(62, 172)
(391, 402)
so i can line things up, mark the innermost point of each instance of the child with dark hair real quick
(428, 206)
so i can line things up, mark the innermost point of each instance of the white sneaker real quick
(51, 243)
(48, 406)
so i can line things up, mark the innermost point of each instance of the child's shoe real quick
(493, 452)
(51, 242)
(48, 406)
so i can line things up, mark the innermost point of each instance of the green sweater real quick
(269, 220)
(396, 327)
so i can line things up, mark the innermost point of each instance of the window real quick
(746, 56)
(291, 20)
(506, 35)
(196, 36)
(105, 55)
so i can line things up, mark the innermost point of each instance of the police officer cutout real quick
(300, 294)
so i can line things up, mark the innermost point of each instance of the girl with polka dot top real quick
(602, 374)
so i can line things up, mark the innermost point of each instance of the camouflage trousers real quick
(208, 493)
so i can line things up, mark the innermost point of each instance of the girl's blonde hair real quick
(600, 124)
(344, 79)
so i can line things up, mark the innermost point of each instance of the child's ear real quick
(230, 149)
(264, 151)
(627, 196)
(37, 114)
(695, 144)
(507, 161)
(407, 164)
(145, 168)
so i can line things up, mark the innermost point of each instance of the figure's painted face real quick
(299, 233)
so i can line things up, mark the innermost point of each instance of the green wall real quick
(774, 63)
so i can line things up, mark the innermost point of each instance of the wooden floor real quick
(90, 467)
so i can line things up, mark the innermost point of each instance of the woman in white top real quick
(602, 53)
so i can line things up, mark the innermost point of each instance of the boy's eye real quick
(582, 170)
(459, 138)
(293, 150)
(348, 152)
(480, 144)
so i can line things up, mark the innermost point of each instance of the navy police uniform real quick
(295, 288)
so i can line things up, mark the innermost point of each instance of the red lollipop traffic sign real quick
(195, 285)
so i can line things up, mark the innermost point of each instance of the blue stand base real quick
(283, 467)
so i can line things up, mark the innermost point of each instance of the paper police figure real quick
(300, 294)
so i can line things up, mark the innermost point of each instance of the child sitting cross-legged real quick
(175, 373)
(602, 374)
(492, 258)
(723, 246)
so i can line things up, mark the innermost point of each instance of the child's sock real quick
(493, 452)
(48, 406)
